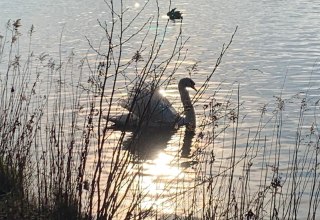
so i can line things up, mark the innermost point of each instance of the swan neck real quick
(187, 106)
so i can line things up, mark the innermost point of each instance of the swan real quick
(148, 108)
(173, 14)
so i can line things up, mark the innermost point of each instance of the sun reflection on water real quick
(157, 181)
(163, 92)
(162, 166)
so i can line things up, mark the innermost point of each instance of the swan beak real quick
(194, 88)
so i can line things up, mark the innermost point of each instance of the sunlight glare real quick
(162, 92)
(162, 166)
(159, 174)
(136, 5)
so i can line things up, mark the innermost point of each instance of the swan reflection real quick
(146, 144)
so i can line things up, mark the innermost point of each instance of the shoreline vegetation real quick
(60, 160)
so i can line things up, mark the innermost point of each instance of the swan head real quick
(187, 82)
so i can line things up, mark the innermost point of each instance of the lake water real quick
(274, 53)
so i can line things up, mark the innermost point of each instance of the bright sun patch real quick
(136, 5)
(163, 92)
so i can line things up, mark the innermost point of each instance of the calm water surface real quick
(275, 52)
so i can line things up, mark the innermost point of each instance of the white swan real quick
(148, 108)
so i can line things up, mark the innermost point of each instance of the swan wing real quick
(124, 120)
(163, 110)
(150, 105)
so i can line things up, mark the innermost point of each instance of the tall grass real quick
(59, 159)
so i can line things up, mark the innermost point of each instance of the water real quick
(274, 53)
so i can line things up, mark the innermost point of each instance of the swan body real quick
(148, 108)
(173, 14)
